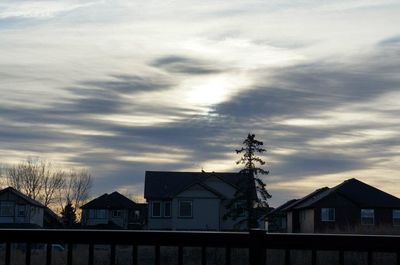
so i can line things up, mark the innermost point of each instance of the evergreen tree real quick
(252, 192)
(68, 215)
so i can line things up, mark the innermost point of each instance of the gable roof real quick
(114, 200)
(166, 184)
(280, 208)
(359, 193)
(204, 186)
(313, 196)
(26, 198)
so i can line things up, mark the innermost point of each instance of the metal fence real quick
(256, 241)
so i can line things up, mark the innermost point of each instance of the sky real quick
(120, 87)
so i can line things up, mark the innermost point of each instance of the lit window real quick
(7, 208)
(156, 209)
(167, 209)
(367, 216)
(185, 209)
(396, 217)
(328, 214)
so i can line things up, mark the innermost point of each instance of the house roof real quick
(166, 184)
(313, 196)
(114, 200)
(291, 204)
(280, 208)
(26, 198)
(359, 193)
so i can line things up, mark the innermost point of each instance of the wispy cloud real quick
(39, 9)
(122, 87)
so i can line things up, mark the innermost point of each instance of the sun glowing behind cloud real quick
(208, 91)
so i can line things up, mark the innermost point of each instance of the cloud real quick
(39, 9)
(393, 41)
(179, 64)
(126, 86)
(300, 106)
(312, 88)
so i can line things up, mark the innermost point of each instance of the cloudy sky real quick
(122, 86)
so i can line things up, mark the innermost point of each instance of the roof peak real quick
(23, 196)
(110, 201)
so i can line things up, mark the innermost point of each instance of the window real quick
(367, 216)
(7, 208)
(328, 214)
(396, 217)
(92, 213)
(167, 209)
(156, 209)
(21, 212)
(185, 209)
(136, 214)
(101, 214)
(116, 213)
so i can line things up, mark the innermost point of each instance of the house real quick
(20, 211)
(192, 200)
(350, 207)
(114, 211)
(276, 218)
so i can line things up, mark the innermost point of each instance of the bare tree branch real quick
(40, 180)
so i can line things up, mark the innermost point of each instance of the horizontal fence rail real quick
(256, 241)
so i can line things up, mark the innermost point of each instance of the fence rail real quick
(256, 241)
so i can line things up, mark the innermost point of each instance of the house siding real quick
(348, 218)
(289, 222)
(36, 215)
(205, 210)
(93, 221)
(159, 223)
(33, 214)
(225, 189)
(205, 214)
(208, 208)
(121, 221)
(347, 215)
(307, 221)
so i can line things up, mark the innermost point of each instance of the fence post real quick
(257, 251)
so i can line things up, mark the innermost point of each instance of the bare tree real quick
(77, 188)
(51, 184)
(36, 178)
(3, 177)
(41, 181)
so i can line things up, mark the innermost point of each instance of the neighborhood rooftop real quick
(114, 200)
(164, 184)
(356, 191)
(23, 196)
